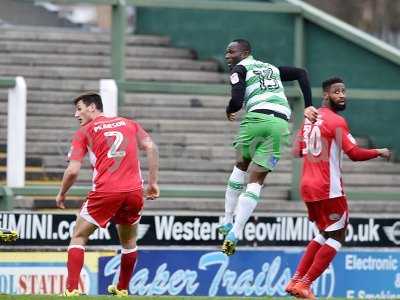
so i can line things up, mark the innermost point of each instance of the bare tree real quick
(377, 17)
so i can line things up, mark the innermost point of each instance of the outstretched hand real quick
(231, 116)
(311, 113)
(385, 153)
(60, 199)
(152, 192)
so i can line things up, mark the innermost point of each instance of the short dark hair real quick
(327, 83)
(244, 44)
(89, 98)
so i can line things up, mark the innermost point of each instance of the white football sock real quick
(247, 203)
(233, 190)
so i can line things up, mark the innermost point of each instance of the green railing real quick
(7, 82)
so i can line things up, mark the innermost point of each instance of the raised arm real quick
(146, 144)
(299, 74)
(353, 151)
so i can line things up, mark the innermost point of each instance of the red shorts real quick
(330, 214)
(121, 208)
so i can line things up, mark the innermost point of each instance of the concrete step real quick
(30, 161)
(77, 86)
(153, 126)
(181, 113)
(49, 95)
(95, 49)
(76, 36)
(372, 180)
(94, 73)
(37, 59)
(226, 165)
(44, 96)
(62, 146)
(132, 112)
(178, 139)
(176, 100)
(282, 179)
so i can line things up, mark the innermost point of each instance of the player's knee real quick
(129, 243)
(242, 165)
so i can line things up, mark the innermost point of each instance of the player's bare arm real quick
(70, 175)
(152, 190)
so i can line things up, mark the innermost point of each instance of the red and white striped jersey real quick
(112, 144)
(322, 145)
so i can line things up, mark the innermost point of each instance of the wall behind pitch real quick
(209, 32)
(329, 55)
(272, 35)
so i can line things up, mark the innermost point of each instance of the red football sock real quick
(76, 255)
(307, 259)
(128, 263)
(322, 259)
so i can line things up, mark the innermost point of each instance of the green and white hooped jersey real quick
(264, 89)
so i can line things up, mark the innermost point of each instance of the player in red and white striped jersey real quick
(117, 191)
(321, 145)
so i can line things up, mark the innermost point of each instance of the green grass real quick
(37, 297)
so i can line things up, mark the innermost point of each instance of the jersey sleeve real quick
(78, 146)
(238, 88)
(140, 134)
(301, 75)
(343, 136)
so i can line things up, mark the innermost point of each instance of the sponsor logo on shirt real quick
(234, 78)
(334, 217)
(109, 125)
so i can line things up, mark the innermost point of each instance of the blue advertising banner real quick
(40, 273)
(353, 274)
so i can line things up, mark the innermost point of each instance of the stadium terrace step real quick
(44, 96)
(77, 86)
(138, 100)
(193, 137)
(73, 36)
(155, 126)
(172, 113)
(95, 49)
(175, 100)
(29, 161)
(70, 60)
(94, 73)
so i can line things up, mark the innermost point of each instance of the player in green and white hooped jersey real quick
(258, 86)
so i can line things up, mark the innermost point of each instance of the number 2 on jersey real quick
(312, 140)
(119, 137)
